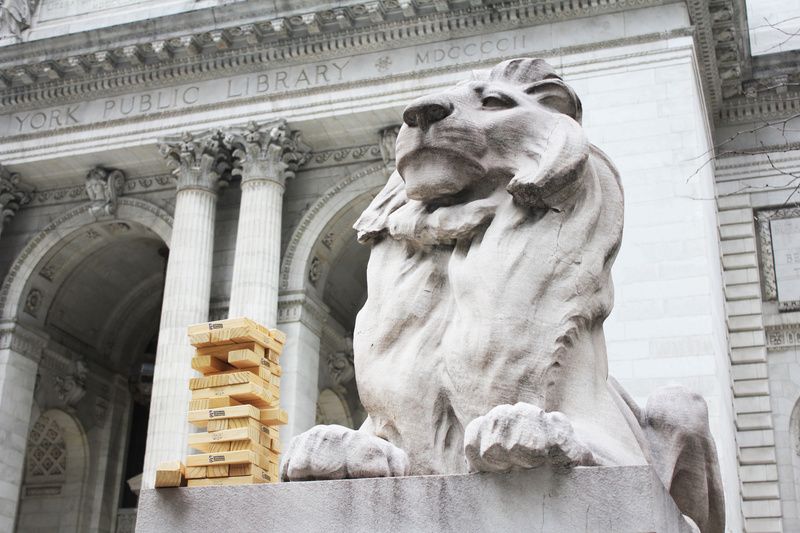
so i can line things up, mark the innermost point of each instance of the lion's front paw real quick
(336, 452)
(522, 436)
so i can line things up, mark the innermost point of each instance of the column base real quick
(595, 499)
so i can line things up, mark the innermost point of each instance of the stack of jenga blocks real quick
(236, 401)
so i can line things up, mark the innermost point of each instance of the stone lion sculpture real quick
(480, 346)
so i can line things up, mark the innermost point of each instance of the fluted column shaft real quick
(187, 289)
(266, 155)
(256, 264)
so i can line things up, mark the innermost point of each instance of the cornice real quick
(246, 48)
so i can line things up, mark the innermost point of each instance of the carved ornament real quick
(267, 151)
(103, 186)
(200, 161)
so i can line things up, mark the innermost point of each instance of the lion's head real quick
(515, 128)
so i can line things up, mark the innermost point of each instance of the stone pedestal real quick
(592, 500)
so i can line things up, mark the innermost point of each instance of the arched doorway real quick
(93, 287)
(55, 476)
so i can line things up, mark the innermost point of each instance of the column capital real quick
(200, 161)
(302, 306)
(267, 151)
(13, 194)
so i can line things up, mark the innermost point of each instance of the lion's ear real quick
(556, 94)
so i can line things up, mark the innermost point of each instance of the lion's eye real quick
(496, 102)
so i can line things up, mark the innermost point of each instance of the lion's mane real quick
(494, 301)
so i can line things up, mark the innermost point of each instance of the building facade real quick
(168, 163)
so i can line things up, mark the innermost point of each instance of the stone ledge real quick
(593, 500)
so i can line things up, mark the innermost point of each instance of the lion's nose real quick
(425, 111)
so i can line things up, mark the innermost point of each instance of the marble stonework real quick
(84, 273)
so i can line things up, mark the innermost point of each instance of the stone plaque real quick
(786, 254)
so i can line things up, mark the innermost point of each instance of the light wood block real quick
(274, 416)
(218, 471)
(228, 378)
(227, 423)
(231, 458)
(170, 474)
(244, 393)
(208, 364)
(221, 352)
(201, 417)
(231, 331)
(195, 472)
(203, 441)
(212, 403)
(278, 335)
(253, 470)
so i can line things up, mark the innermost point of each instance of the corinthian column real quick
(202, 165)
(265, 156)
(12, 195)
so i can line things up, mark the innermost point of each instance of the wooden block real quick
(252, 470)
(244, 359)
(205, 441)
(170, 474)
(237, 480)
(231, 331)
(227, 423)
(278, 335)
(195, 472)
(232, 458)
(244, 393)
(228, 378)
(201, 417)
(273, 417)
(221, 352)
(212, 403)
(208, 364)
(218, 471)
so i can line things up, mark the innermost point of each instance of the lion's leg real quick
(337, 452)
(522, 436)
(684, 455)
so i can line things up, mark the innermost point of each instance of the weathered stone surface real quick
(481, 346)
(595, 500)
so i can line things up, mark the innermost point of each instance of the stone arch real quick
(56, 473)
(297, 256)
(333, 409)
(129, 209)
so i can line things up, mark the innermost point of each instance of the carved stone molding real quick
(22, 340)
(267, 151)
(301, 38)
(103, 186)
(71, 387)
(388, 139)
(75, 193)
(782, 337)
(201, 161)
(312, 212)
(769, 284)
(13, 194)
(344, 156)
(15, 17)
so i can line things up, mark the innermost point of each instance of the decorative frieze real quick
(782, 337)
(354, 29)
(769, 282)
(103, 186)
(201, 161)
